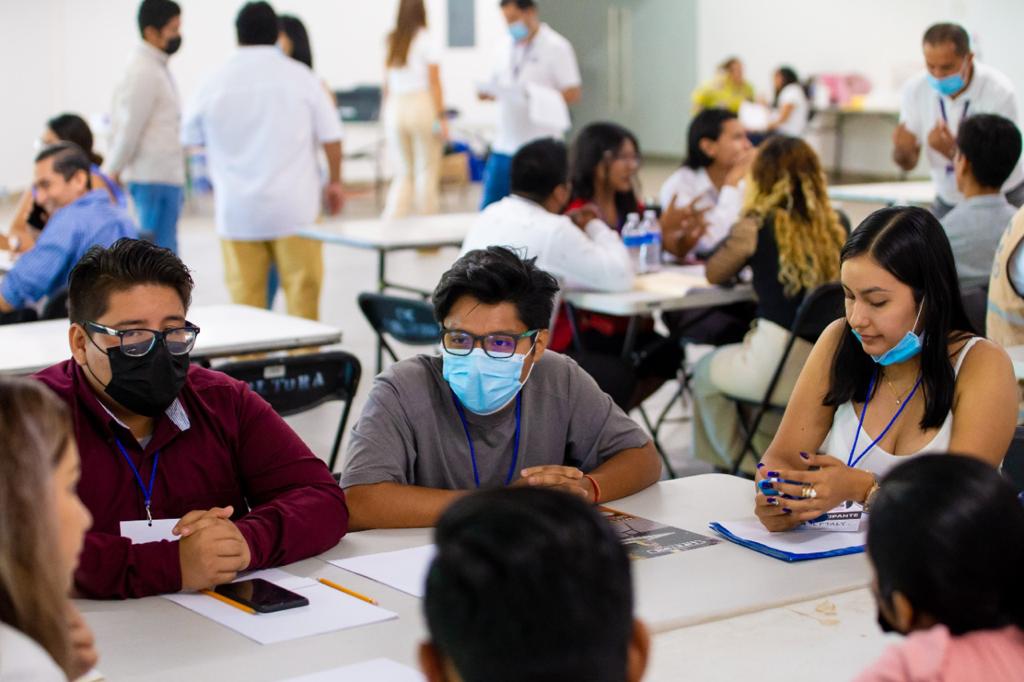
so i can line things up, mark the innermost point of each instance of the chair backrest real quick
(976, 305)
(297, 383)
(820, 308)
(1013, 463)
(56, 307)
(407, 320)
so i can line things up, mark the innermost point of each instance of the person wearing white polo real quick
(534, 57)
(934, 104)
(261, 118)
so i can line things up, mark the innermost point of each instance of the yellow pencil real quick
(347, 591)
(229, 602)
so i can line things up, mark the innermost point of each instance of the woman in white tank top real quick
(901, 374)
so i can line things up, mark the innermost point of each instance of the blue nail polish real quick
(772, 474)
(790, 497)
(760, 465)
(773, 500)
(805, 455)
(787, 511)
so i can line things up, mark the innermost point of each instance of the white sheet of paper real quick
(329, 610)
(140, 531)
(547, 107)
(405, 569)
(670, 282)
(801, 540)
(754, 116)
(377, 670)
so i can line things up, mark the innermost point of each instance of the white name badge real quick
(140, 531)
(846, 518)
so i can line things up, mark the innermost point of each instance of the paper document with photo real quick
(646, 539)
(404, 570)
(754, 116)
(329, 610)
(377, 670)
(140, 531)
(547, 108)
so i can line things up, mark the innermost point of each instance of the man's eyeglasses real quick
(500, 346)
(136, 343)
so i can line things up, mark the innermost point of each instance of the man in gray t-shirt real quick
(494, 409)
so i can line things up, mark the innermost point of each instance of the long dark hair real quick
(788, 78)
(592, 146)
(708, 125)
(948, 532)
(296, 32)
(912, 246)
(73, 128)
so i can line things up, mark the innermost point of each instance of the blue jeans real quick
(158, 207)
(497, 180)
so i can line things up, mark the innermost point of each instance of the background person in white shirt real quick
(261, 117)
(145, 146)
(413, 113)
(580, 250)
(791, 108)
(934, 103)
(535, 55)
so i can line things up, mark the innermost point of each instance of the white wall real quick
(68, 55)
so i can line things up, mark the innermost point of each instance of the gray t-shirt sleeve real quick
(381, 447)
(598, 428)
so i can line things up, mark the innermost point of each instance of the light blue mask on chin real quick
(519, 30)
(483, 384)
(908, 347)
(950, 85)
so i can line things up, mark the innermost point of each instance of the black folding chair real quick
(56, 306)
(976, 305)
(1013, 463)
(406, 320)
(818, 310)
(298, 383)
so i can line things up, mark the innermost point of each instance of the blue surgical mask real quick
(519, 30)
(950, 85)
(908, 347)
(483, 384)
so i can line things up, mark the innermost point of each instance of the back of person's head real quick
(788, 184)
(412, 16)
(597, 144)
(257, 24)
(498, 275)
(707, 125)
(538, 168)
(530, 584)
(521, 4)
(36, 431)
(73, 128)
(123, 265)
(910, 244)
(301, 50)
(68, 159)
(156, 14)
(937, 34)
(947, 533)
(992, 145)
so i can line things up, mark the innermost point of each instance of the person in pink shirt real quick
(946, 538)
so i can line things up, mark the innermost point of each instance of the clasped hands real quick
(212, 549)
(832, 481)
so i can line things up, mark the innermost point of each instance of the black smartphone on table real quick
(261, 595)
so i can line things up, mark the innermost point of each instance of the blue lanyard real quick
(472, 450)
(853, 462)
(942, 110)
(147, 494)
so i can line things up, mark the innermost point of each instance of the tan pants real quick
(299, 264)
(416, 154)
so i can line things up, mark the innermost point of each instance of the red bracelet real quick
(597, 488)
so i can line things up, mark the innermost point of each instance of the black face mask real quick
(146, 385)
(173, 45)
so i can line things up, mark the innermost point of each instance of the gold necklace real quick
(899, 396)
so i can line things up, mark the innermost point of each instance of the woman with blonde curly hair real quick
(42, 524)
(790, 237)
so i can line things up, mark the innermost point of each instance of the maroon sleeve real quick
(111, 567)
(297, 508)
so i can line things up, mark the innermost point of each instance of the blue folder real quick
(781, 554)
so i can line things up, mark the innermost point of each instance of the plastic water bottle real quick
(634, 237)
(652, 231)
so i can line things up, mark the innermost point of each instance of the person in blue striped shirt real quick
(81, 217)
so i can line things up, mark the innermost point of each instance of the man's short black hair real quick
(68, 159)
(521, 4)
(538, 168)
(157, 13)
(124, 264)
(257, 24)
(992, 145)
(948, 33)
(529, 584)
(498, 275)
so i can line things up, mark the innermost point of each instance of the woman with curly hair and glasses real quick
(790, 237)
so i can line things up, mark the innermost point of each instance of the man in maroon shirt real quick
(161, 439)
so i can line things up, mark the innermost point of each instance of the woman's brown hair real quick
(412, 16)
(34, 432)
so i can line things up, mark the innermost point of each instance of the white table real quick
(886, 193)
(155, 639)
(225, 330)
